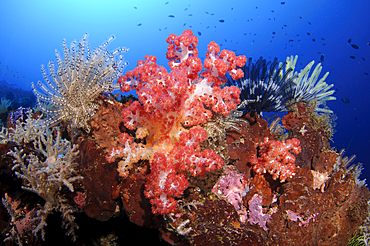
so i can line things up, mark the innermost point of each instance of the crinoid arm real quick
(307, 87)
(266, 86)
(71, 88)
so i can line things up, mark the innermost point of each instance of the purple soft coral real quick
(255, 212)
(232, 187)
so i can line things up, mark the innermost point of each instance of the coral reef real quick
(176, 163)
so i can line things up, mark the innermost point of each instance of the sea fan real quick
(70, 91)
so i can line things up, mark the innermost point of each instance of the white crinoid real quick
(72, 86)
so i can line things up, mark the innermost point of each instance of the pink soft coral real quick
(171, 103)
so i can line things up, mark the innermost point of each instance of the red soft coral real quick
(169, 102)
(276, 159)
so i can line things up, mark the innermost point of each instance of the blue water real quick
(30, 31)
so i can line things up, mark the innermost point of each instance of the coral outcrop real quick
(177, 160)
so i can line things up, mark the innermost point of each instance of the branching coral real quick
(5, 103)
(25, 130)
(70, 91)
(45, 169)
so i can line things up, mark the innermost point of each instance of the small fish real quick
(171, 16)
(364, 73)
(245, 34)
(352, 57)
(225, 40)
(166, 3)
(199, 33)
(308, 33)
(285, 25)
(222, 21)
(135, 7)
(273, 11)
(368, 43)
(313, 39)
(207, 13)
(363, 58)
(190, 14)
(324, 44)
(322, 58)
(300, 17)
(309, 23)
(274, 33)
(349, 40)
(291, 40)
(322, 38)
(282, 3)
(355, 46)
(345, 100)
(139, 24)
(184, 24)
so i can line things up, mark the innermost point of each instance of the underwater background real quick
(335, 33)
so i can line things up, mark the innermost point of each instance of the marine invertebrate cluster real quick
(181, 164)
(169, 103)
(272, 86)
(49, 166)
(69, 93)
